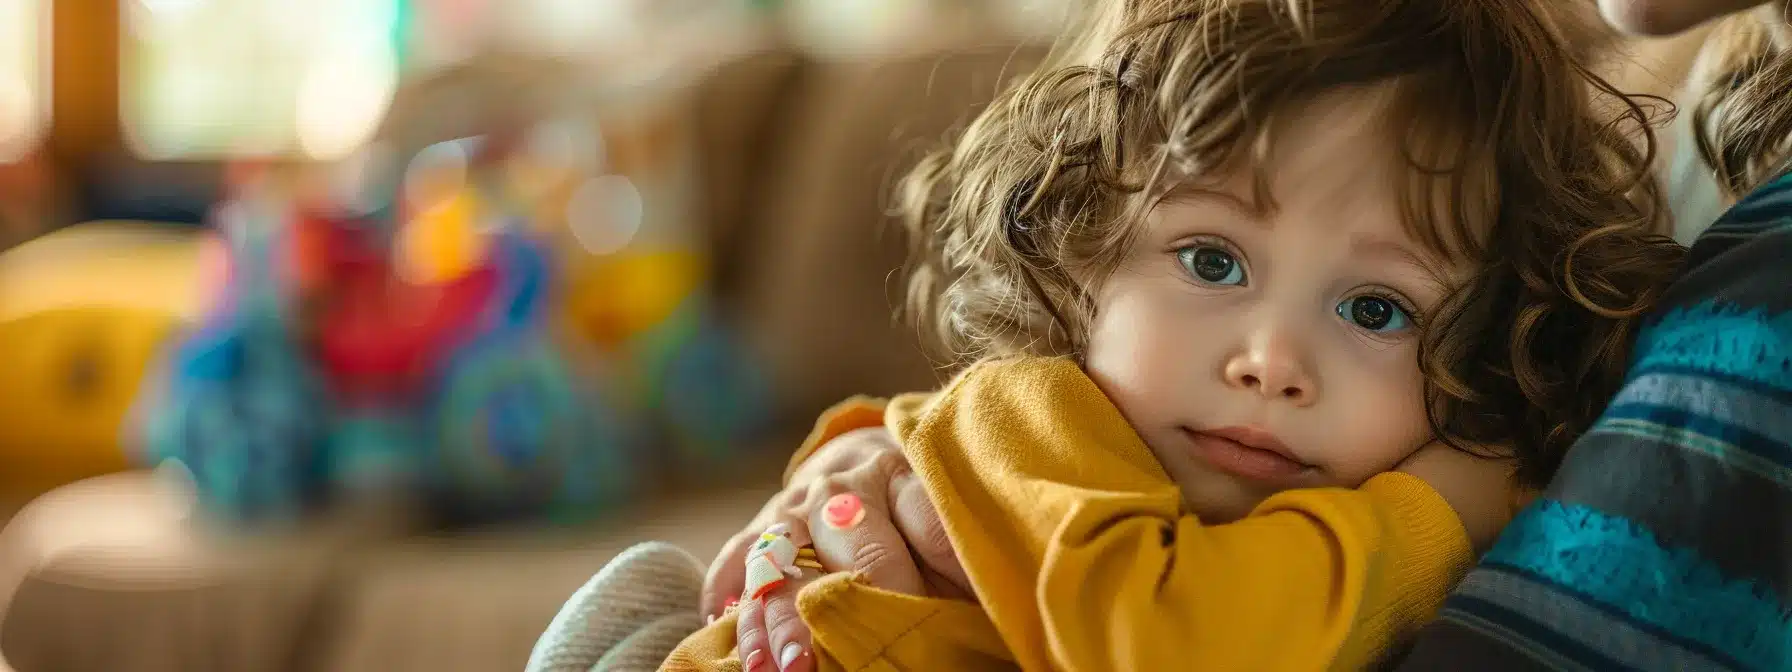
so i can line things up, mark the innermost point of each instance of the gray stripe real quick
(1746, 269)
(1463, 642)
(1738, 520)
(1517, 644)
(1762, 415)
(1573, 619)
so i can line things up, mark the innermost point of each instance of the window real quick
(216, 78)
(24, 76)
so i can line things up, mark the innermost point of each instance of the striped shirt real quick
(1665, 540)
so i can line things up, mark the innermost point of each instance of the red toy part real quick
(379, 337)
(314, 243)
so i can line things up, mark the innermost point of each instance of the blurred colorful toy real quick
(607, 179)
(352, 354)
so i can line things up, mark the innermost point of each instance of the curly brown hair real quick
(1522, 159)
(1743, 112)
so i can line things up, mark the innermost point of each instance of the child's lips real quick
(1266, 461)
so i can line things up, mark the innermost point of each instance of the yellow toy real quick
(83, 313)
(443, 242)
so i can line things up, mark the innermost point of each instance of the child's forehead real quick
(1335, 151)
(1351, 150)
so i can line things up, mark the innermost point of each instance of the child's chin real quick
(1216, 506)
(1212, 494)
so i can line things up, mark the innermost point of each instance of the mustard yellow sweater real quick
(1075, 542)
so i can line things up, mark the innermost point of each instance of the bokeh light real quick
(342, 101)
(605, 213)
(214, 78)
(436, 174)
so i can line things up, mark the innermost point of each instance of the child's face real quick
(1293, 331)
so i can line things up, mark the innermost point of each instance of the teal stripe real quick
(1721, 339)
(1614, 562)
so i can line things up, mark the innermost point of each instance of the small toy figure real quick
(774, 560)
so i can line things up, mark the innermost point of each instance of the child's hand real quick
(855, 501)
(1478, 489)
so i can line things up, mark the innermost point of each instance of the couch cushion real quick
(738, 108)
(820, 285)
(113, 573)
(479, 602)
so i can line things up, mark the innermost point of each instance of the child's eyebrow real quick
(1186, 193)
(1372, 247)
(1382, 249)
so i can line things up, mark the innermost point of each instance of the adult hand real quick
(857, 502)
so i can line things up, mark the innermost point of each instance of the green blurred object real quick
(404, 27)
(708, 395)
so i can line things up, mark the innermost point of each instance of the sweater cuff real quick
(1431, 550)
(855, 413)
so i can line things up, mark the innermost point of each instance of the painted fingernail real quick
(843, 511)
(731, 601)
(789, 655)
(754, 658)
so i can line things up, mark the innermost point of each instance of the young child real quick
(1237, 260)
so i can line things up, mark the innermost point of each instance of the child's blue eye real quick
(1212, 265)
(1374, 313)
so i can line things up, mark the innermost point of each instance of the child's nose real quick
(1274, 367)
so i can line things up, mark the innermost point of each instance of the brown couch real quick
(797, 158)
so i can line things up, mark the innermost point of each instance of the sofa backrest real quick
(816, 258)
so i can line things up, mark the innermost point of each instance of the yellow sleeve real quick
(1074, 539)
(854, 413)
(859, 627)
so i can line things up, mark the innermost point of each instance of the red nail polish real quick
(730, 602)
(843, 511)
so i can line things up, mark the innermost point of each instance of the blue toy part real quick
(603, 469)
(525, 276)
(709, 396)
(514, 436)
(242, 418)
(373, 451)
